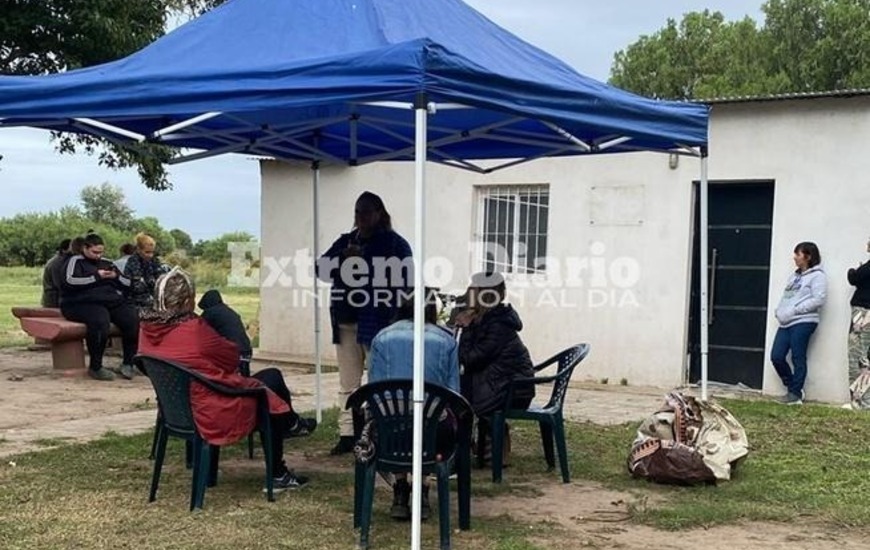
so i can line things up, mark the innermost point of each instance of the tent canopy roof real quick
(305, 79)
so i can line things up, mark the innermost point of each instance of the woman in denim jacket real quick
(392, 357)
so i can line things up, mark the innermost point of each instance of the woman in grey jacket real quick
(798, 316)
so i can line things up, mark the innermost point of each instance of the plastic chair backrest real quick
(390, 404)
(568, 360)
(171, 383)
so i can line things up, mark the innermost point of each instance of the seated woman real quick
(92, 292)
(142, 268)
(392, 356)
(490, 349)
(172, 331)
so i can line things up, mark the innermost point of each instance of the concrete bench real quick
(37, 311)
(65, 337)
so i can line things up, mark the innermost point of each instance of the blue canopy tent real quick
(353, 82)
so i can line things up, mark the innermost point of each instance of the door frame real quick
(692, 328)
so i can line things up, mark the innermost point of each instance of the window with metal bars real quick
(512, 228)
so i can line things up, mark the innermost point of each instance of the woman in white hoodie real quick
(798, 316)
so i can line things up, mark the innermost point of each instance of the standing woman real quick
(93, 294)
(369, 269)
(798, 316)
(143, 270)
(859, 331)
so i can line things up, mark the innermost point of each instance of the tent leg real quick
(421, 113)
(318, 369)
(704, 275)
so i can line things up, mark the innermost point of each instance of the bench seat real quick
(65, 337)
(20, 312)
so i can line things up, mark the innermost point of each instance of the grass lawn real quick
(22, 286)
(808, 464)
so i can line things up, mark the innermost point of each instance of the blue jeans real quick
(796, 339)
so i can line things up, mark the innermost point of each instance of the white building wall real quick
(611, 211)
(816, 151)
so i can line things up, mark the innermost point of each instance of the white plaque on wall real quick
(616, 205)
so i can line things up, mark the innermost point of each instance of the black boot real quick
(401, 497)
(425, 509)
(344, 445)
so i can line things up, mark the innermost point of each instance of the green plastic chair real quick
(171, 382)
(244, 370)
(549, 417)
(389, 404)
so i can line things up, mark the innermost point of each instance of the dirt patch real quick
(35, 394)
(585, 515)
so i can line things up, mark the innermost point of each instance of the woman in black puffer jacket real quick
(490, 348)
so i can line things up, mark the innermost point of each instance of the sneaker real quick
(302, 428)
(344, 446)
(847, 406)
(791, 399)
(287, 481)
(102, 374)
(127, 371)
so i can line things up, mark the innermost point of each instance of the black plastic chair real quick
(171, 382)
(549, 417)
(389, 403)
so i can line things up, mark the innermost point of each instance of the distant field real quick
(22, 286)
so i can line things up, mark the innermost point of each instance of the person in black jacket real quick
(225, 321)
(143, 268)
(859, 330)
(490, 349)
(93, 294)
(50, 286)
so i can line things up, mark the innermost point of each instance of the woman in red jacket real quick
(172, 331)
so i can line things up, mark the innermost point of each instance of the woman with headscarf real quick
(172, 331)
(369, 269)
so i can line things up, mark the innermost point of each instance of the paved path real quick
(126, 407)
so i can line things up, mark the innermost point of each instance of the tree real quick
(217, 250)
(49, 36)
(182, 239)
(107, 204)
(804, 45)
(31, 239)
(819, 44)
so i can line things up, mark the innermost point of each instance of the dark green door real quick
(740, 220)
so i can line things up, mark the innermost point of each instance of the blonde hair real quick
(144, 241)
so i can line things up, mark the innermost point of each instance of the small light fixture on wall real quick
(673, 161)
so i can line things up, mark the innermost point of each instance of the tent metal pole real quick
(704, 275)
(421, 113)
(318, 368)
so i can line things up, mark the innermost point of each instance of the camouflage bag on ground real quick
(686, 442)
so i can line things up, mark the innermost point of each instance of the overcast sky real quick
(220, 195)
